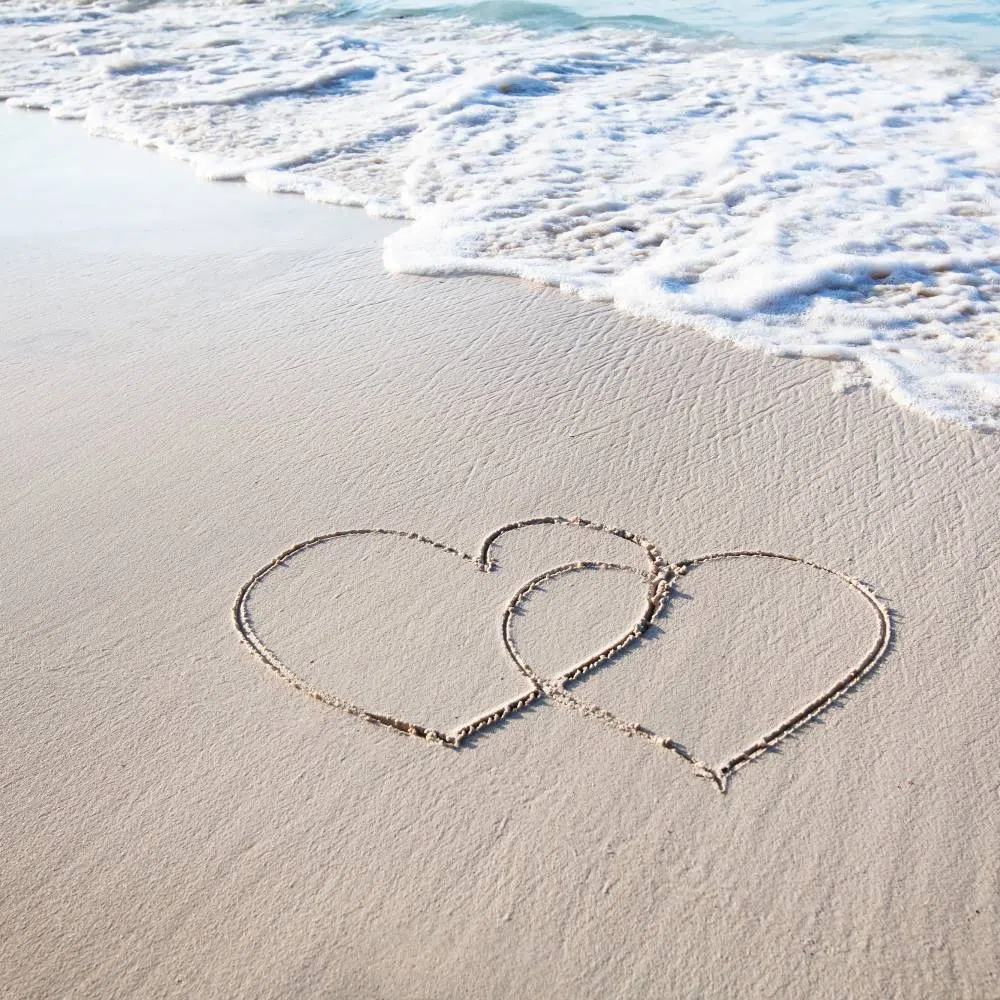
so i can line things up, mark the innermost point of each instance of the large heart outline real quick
(658, 581)
(720, 773)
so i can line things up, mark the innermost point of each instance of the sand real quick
(195, 378)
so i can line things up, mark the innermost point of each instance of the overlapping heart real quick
(658, 577)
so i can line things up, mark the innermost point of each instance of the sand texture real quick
(205, 789)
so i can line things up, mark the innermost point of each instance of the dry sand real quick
(194, 378)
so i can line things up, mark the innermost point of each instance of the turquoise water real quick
(971, 26)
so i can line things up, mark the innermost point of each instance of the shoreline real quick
(739, 220)
(196, 378)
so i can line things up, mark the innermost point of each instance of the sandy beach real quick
(196, 377)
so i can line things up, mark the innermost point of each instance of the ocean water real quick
(813, 179)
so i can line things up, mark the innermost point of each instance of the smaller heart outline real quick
(484, 562)
(720, 773)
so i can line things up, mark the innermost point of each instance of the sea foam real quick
(839, 203)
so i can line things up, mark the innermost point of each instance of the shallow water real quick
(816, 181)
(971, 26)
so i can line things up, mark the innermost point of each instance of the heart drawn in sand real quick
(779, 731)
(655, 580)
(657, 577)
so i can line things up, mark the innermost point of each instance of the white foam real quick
(842, 205)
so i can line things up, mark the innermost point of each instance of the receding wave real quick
(839, 202)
